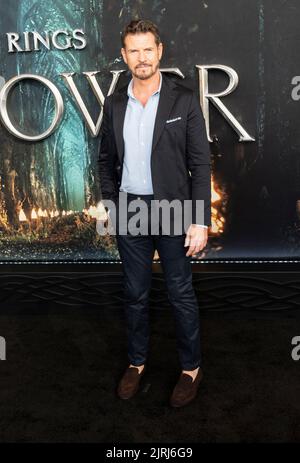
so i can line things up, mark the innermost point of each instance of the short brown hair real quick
(139, 26)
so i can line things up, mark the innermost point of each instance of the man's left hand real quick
(196, 239)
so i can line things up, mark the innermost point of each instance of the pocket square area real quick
(173, 120)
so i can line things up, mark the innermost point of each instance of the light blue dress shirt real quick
(138, 134)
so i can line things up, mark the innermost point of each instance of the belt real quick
(137, 196)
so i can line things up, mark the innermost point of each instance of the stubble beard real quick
(142, 76)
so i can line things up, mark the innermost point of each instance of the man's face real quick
(141, 54)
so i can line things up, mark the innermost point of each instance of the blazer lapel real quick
(166, 101)
(120, 104)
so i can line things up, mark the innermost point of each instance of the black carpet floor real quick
(58, 383)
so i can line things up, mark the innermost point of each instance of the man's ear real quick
(160, 49)
(123, 54)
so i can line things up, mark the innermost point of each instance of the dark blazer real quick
(180, 157)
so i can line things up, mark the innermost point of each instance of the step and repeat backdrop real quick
(59, 59)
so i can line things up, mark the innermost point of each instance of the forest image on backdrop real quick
(49, 189)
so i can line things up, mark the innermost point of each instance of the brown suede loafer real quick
(186, 389)
(129, 384)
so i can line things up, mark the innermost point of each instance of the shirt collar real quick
(130, 92)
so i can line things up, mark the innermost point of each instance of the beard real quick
(145, 73)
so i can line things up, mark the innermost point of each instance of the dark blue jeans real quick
(136, 253)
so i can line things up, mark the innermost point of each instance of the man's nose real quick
(142, 56)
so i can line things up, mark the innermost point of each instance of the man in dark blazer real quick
(154, 147)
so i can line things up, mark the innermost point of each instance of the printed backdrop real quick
(50, 189)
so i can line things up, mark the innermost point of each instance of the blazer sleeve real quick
(107, 155)
(199, 161)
